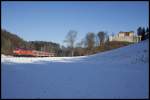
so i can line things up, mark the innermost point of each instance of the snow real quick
(38, 59)
(119, 73)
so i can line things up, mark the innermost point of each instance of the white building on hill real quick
(125, 36)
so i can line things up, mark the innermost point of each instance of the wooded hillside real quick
(10, 41)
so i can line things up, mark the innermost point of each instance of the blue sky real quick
(51, 21)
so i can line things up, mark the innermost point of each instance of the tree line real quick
(92, 43)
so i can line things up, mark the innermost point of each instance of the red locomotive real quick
(32, 53)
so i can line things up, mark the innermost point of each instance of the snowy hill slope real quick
(119, 73)
(132, 54)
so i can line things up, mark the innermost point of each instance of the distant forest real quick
(10, 41)
(91, 44)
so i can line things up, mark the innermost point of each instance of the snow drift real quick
(119, 73)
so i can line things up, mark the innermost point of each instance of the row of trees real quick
(90, 44)
(93, 43)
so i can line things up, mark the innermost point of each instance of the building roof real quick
(126, 33)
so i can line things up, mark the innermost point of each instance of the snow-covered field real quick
(120, 73)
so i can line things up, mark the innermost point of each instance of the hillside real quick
(119, 73)
(11, 41)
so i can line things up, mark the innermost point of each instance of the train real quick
(32, 53)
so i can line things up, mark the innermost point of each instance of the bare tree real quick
(80, 44)
(80, 48)
(90, 42)
(107, 42)
(70, 40)
(101, 36)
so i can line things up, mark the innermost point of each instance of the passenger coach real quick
(32, 53)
